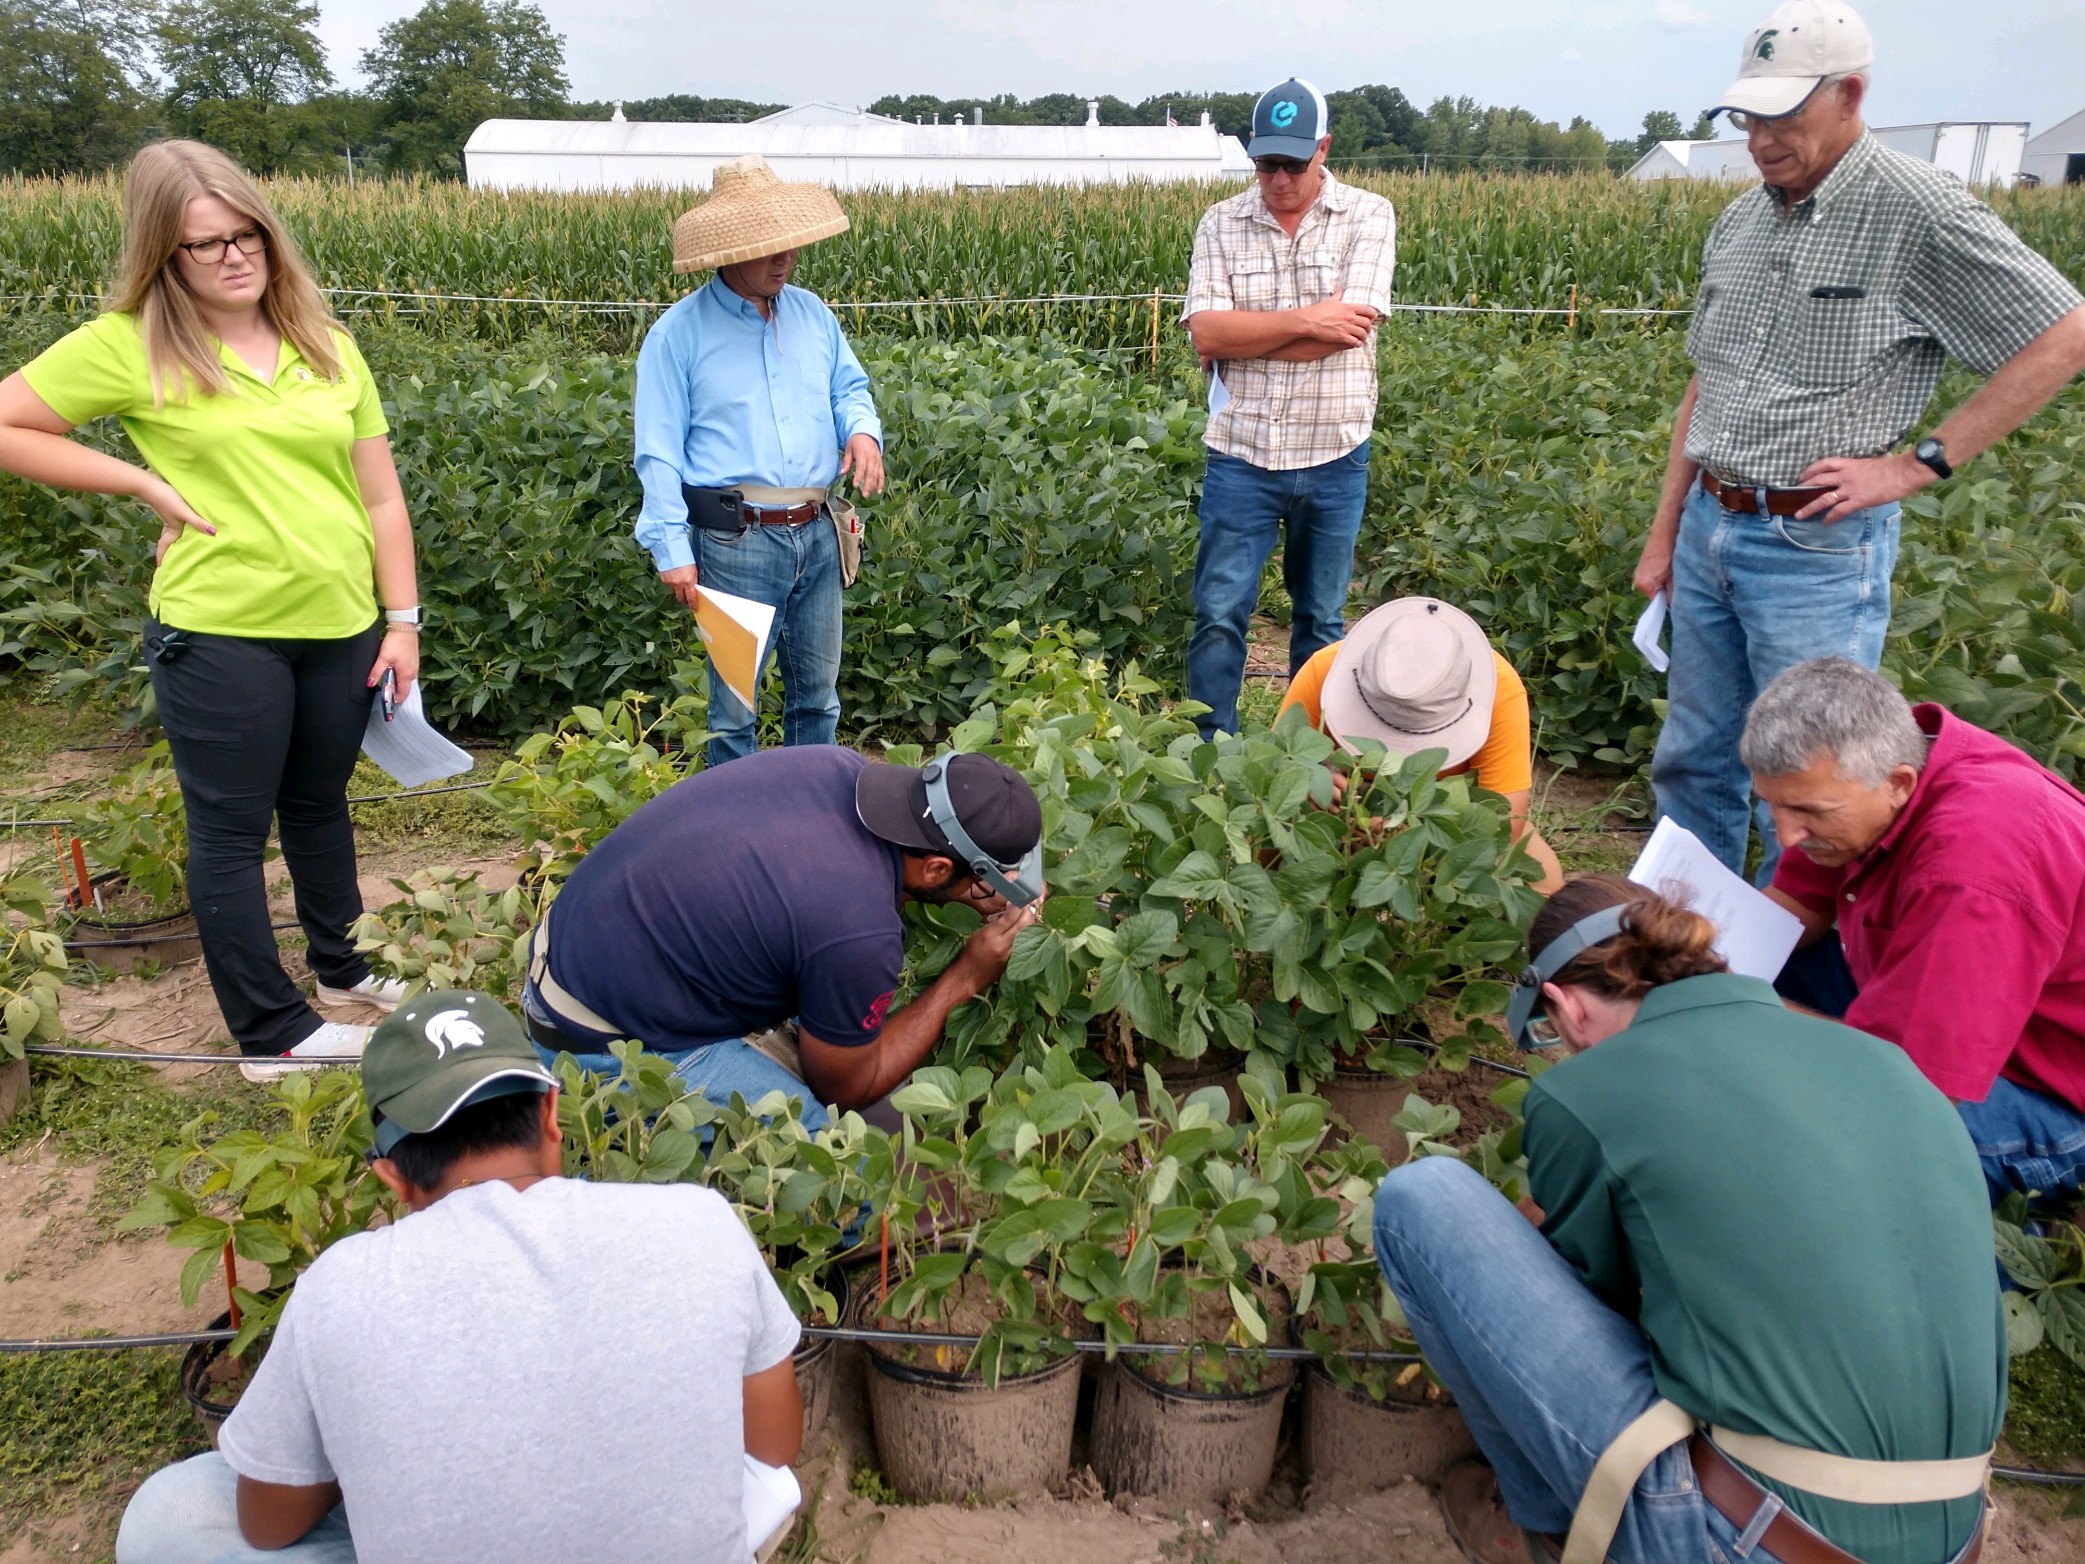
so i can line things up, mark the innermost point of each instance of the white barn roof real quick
(868, 150)
(2053, 155)
(1981, 153)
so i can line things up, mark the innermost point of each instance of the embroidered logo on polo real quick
(1282, 115)
(877, 1012)
(1764, 48)
(453, 1029)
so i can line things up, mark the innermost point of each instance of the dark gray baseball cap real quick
(1289, 121)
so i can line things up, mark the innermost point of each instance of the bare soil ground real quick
(63, 1272)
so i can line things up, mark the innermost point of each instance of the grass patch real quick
(80, 1431)
(2045, 1411)
(451, 824)
(124, 1115)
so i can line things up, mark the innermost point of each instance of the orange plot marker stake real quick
(79, 862)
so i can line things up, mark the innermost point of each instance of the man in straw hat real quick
(1831, 296)
(750, 406)
(1418, 674)
(431, 1382)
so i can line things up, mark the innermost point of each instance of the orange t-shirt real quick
(1505, 763)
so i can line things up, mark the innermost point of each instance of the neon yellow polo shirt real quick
(269, 465)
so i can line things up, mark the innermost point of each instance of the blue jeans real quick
(1244, 508)
(1543, 1403)
(715, 1071)
(797, 570)
(188, 1513)
(1753, 595)
(2029, 1142)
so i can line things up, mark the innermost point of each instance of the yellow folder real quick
(734, 629)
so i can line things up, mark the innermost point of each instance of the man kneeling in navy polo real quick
(1940, 876)
(768, 891)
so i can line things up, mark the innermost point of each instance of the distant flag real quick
(1171, 123)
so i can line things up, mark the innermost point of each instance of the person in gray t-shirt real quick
(459, 1385)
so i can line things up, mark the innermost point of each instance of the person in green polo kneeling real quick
(1749, 1309)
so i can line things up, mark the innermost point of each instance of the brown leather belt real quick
(1738, 1499)
(1739, 497)
(784, 515)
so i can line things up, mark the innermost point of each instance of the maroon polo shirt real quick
(1965, 924)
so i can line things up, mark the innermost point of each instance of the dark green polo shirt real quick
(1797, 1220)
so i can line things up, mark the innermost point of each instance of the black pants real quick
(267, 731)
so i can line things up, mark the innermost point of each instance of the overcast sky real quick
(1611, 60)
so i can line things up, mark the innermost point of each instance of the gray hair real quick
(1829, 706)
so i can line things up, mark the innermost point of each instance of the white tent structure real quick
(1982, 154)
(846, 150)
(2057, 155)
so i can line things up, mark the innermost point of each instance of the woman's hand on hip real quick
(400, 653)
(175, 515)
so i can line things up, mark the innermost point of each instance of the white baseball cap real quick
(1793, 51)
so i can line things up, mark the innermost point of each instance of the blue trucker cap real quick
(1289, 121)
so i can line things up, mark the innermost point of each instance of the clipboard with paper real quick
(734, 630)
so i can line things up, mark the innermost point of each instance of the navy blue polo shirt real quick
(748, 894)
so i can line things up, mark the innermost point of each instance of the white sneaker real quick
(335, 1042)
(385, 994)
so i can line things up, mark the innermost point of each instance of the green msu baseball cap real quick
(439, 1053)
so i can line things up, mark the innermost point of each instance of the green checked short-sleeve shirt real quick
(1820, 330)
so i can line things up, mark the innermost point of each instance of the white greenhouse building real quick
(1982, 154)
(846, 149)
(2057, 155)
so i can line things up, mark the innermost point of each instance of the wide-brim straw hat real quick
(1414, 674)
(751, 213)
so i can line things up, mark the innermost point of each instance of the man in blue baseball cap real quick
(1288, 281)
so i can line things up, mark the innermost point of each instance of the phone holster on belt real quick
(715, 510)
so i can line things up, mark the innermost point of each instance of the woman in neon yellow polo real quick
(281, 526)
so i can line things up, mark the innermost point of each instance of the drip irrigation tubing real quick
(816, 1332)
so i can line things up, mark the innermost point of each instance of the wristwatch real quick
(403, 618)
(1934, 454)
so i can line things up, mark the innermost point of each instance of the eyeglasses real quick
(1268, 166)
(210, 252)
(1542, 1031)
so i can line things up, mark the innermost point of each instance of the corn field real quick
(1505, 243)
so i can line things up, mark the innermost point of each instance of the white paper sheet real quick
(1646, 636)
(408, 747)
(770, 1496)
(1219, 393)
(1757, 934)
(734, 629)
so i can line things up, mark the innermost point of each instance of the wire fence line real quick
(1154, 298)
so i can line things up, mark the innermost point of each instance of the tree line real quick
(84, 83)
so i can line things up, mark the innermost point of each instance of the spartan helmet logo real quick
(453, 1029)
(1763, 47)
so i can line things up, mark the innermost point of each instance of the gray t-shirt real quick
(510, 1376)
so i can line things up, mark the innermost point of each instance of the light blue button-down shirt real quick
(725, 397)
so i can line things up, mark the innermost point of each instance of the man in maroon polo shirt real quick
(1940, 876)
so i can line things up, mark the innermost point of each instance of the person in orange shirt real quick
(1417, 674)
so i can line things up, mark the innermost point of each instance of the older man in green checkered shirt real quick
(1830, 298)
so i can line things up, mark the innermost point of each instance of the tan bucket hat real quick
(751, 213)
(1414, 674)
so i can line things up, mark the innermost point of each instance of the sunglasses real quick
(1268, 166)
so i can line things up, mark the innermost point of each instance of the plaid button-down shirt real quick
(1821, 330)
(1283, 416)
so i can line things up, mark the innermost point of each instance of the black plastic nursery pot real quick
(943, 1437)
(122, 944)
(1183, 1446)
(1369, 1100)
(1353, 1443)
(816, 1362)
(212, 1381)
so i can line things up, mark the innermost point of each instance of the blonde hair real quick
(160, 183)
